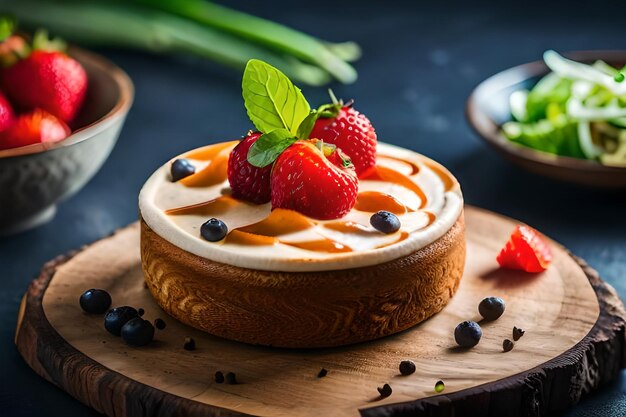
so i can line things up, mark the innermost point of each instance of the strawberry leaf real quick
(271, 99)
(7, 27)
(266, 149)
(328, 111)
(42, 42)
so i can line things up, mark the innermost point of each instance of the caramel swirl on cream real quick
(423, 194)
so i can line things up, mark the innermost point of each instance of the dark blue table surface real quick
(419, 65)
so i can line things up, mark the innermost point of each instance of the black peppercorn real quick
(190, 344)
(159, 324)
(231, 378)
(322, 373)
(407, 367)
(517, 333)
(507, 345)
(385, 391)
(219, 377)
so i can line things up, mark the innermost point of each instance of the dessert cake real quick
(316, 243)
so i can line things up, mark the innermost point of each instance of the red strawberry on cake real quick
(248, 182)
(343, 126)
(305, 180)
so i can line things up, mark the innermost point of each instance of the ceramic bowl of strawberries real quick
(61, 112)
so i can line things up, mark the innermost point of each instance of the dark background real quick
(419, 65)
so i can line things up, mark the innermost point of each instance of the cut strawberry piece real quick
(305, 180)
(7, 116)
(37, 126)
(351, 131)
(526, 250)
(248, 182)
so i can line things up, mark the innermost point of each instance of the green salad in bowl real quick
(577, 110)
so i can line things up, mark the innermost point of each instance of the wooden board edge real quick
(596, 360)
(50, 356)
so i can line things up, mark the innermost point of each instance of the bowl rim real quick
(490, 131)
(119, 110)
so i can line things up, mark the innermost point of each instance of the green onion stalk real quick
(195, 27)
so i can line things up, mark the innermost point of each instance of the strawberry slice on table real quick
(526, 250)
(315, 180)
(247, 181)
(7, 115)
(45, 77)
(37, 126)
(343, 126)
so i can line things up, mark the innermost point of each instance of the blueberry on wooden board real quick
(467, 334)
(118, 317)
(137, 332)
(95, 301)
(491, 308)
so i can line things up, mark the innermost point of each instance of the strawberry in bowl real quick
(61, 111)
(42, 75)
(40, 80)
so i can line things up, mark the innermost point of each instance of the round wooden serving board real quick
(574, 341)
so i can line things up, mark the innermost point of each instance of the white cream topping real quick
(160, 194)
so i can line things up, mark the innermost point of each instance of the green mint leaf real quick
(271, 99)
(305, 128)
(266, 149)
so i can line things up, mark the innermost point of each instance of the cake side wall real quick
(303, 309)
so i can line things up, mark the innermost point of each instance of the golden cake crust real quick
(303, 309)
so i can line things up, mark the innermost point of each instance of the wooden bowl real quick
(34, 178)
(303, 309)
(488, 108)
